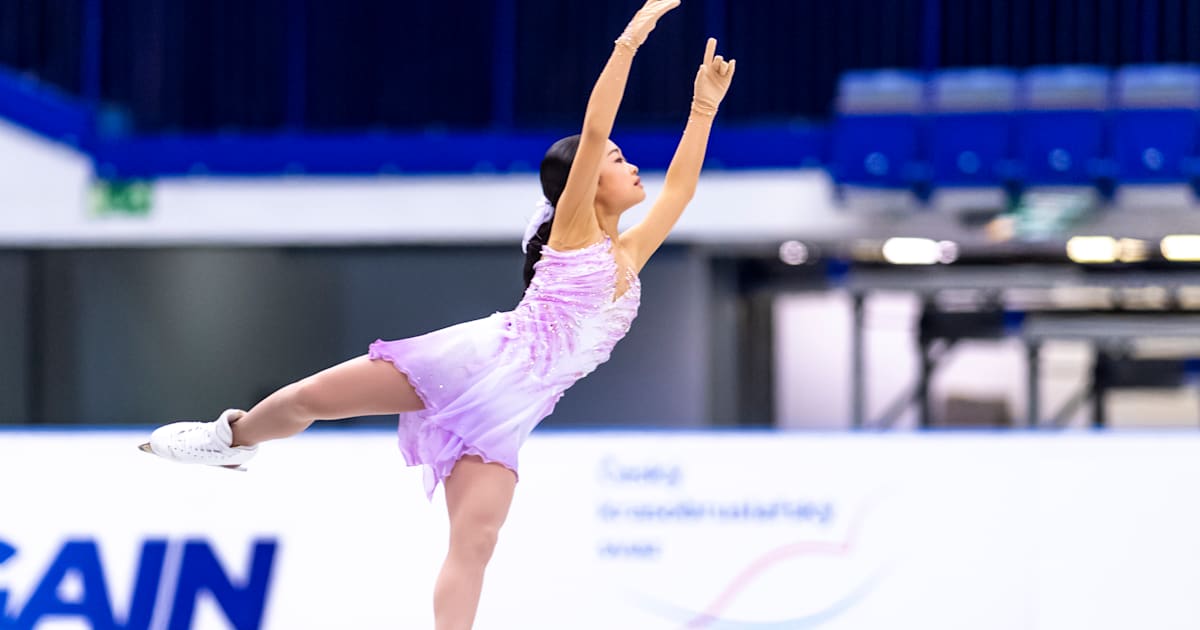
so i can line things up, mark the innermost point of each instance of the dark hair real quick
(556, 165)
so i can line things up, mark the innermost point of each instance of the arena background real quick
(922, 352)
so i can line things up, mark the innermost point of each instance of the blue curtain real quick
(352, 65)
(43, 37)
(791, 52)
(373, 64)
(561, 48)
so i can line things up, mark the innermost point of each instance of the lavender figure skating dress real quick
(487, 383)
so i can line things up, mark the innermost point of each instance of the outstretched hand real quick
(712, 80)
(644, 21)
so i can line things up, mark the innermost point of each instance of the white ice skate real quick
(200, 443)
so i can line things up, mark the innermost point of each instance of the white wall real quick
(44, 196)
(813, 368)
(43, 185)
(718, 531)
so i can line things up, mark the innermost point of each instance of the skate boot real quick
(200, 442)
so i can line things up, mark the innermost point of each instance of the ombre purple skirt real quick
(487, 383)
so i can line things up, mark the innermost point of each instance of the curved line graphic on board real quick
(757, 567)
(710, 618)
(767, 560)
(798, 623)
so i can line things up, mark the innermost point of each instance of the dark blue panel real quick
(1171, 42)
(1108, 32)
(207, 66)
(1150, 32)
(44, 37)
(297, 64)
(504, 64)
(400, 65)
(786, 68)
(562, 47)
(196, 65)
(1189, 25)
(796, 51)
(91, 48)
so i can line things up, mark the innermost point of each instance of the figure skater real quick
(469, 395)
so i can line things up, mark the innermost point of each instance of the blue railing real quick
(62, 118)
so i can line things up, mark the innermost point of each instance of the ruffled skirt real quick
(480, 396)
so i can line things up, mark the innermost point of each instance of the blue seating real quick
(875, 134)
(997, 127)
(1060, 130)
(971, 126)
(1154, 123)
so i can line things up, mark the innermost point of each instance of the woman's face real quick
(619, 188)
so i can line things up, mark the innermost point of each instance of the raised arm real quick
(712, 82)
(575, 223)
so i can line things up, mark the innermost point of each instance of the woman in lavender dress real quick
(469, 395)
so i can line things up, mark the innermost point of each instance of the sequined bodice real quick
(571, 317)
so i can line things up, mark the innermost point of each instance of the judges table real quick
(1114, 312)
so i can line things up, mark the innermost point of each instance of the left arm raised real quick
(712, 81)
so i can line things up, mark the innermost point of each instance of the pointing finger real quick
(710, 50)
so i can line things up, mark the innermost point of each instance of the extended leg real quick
(358, 387)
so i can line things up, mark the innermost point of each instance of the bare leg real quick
(358, 387)
(477, 496)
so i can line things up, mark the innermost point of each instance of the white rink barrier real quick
(615, 531)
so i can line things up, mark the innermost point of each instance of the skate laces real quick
(199, 441)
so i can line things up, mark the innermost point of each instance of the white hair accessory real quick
(544, 213)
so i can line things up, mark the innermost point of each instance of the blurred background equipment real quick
(916, 215)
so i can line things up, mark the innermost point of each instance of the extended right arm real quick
(575, 222)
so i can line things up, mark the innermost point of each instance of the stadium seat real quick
(971, 126)
(875, 134)
(1154, 123)
(1060, 128)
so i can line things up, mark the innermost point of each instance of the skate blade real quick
(145, 448)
